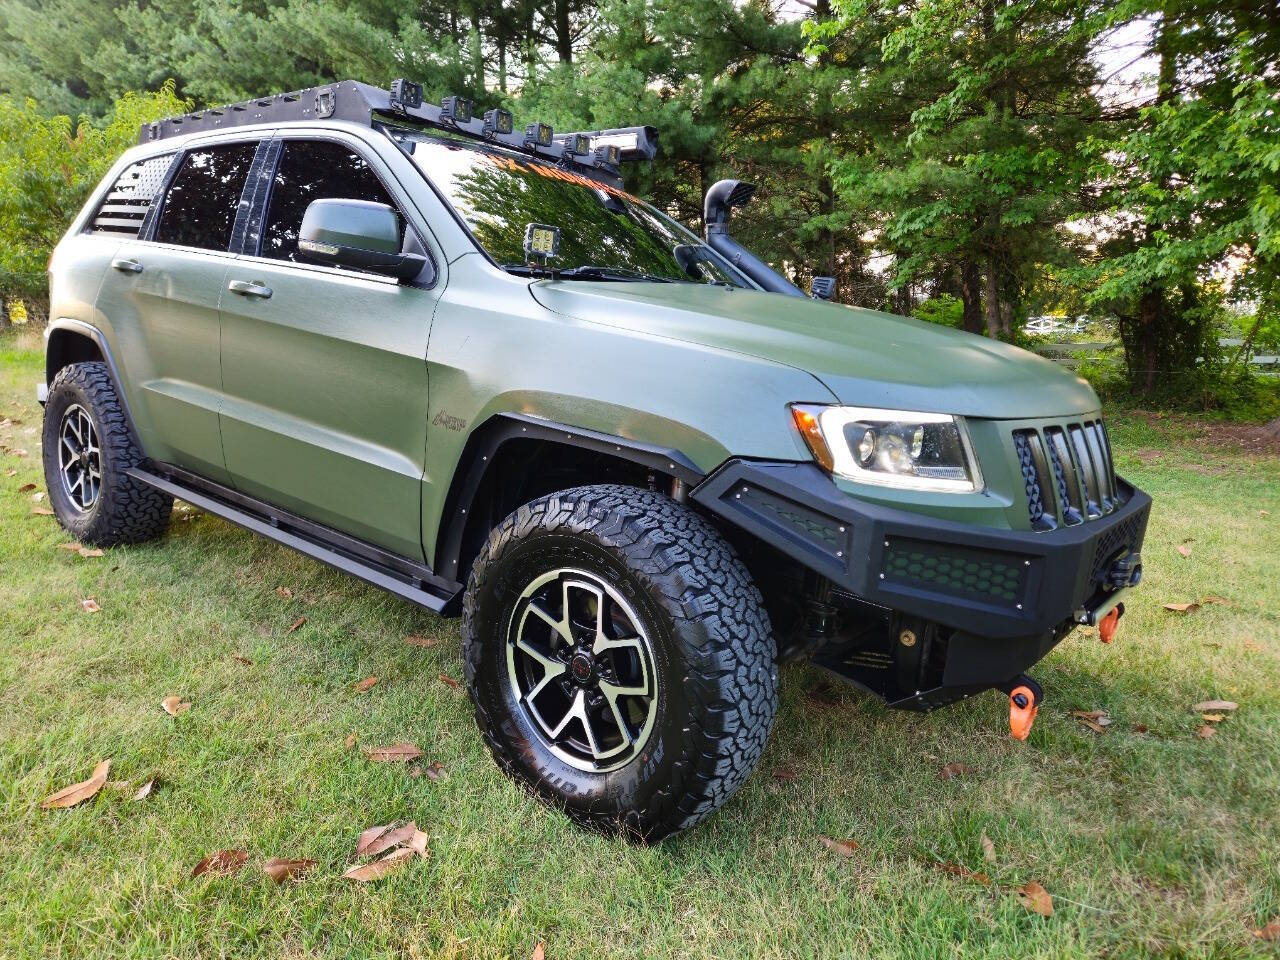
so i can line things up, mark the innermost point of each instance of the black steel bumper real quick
(986, 582)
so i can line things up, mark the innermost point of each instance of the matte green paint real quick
(349, 398)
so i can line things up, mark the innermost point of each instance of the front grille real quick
(1067, 472)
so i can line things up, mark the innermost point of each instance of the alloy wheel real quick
(79, 458)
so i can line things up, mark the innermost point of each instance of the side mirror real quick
(822, 288)
(357, 233)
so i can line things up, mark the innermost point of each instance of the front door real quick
(324, 369)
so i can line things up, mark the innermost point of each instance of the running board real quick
(395, 574)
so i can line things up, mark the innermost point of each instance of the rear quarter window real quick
(125, 206)
(200, 207)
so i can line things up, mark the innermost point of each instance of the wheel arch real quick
(513, 458)
(69, 341)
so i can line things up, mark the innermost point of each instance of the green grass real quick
(1156, 843)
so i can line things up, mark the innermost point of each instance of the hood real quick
(865, 357)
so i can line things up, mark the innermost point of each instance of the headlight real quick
(894, 448)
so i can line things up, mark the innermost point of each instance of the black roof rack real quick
(368, 105)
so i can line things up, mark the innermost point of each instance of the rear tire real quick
(651, 598)
(87, 452)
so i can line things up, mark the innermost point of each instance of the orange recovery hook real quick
(1108, 624)
(1024, 702)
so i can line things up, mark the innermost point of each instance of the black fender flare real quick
(488, 438)
(79, 328)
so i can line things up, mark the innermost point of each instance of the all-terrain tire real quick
(125, 510)
(713, 650)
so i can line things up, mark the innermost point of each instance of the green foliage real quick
(944, 309)
(48, 165)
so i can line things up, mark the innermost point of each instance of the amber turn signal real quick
(806, 419)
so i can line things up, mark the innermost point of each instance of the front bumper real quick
(984, 582)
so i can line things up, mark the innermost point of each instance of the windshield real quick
(605, 233)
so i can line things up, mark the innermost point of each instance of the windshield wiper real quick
(588, 270)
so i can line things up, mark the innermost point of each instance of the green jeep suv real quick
(460, 361)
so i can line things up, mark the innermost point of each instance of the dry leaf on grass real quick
(1140, 728)
(1215, 706)
(11, 472)
(418, 843)
(78, 792)
(379, 868)
(956, 870)
(89, 605)
(1182, 607)
(377, 840)
(1184, 550)
(784, 773)
(539, 952)
(280, 869)
(41, 512)
(845, 848)
(1206, 731)
(296, 624)
(1036, 898)
(38, 496)
(175, 705)
(1270, 933)
(396, 753)
(145, 790)
(954, 770)
(284, 592)
(26, 487)
(367, 684)
(1213, 717)
(435, 771)
(224, 861)
(1252, 646)
(241, 658)
(73, 546)
(445, 678)
(988, 848)
(1222, 601)
(350, 741)
(416, 640)
(89, 552)
(1095, 720)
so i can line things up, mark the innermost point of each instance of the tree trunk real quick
(970, 296)
(564, 36)
(1145, 354)
(991, 301)
(502, 62)
(6, 323)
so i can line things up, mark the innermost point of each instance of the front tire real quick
(619, 658)
(87, 451)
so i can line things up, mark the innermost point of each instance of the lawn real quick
(1152, 839)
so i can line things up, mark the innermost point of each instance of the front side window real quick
(200, 207)
(314, 170)
(605, 233)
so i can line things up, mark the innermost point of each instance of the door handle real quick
(127, 265)
(249, 288)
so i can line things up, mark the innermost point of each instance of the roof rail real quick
(368, 105)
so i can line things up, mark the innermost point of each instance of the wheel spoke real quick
(550, 664)
(561, 626)
(611, 696)
(75, 452)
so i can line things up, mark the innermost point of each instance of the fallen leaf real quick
(379, 868)
(445, 678)
(435, 771)
(78, 792)
(1140, 728)
(988, 848)
(845, 848)
(416, 640)
(1251, 646)
(72, 546)
(89, 552)
(280, 869)
(396, 753)
(1264, 513)
(1215, 706)
(241, 658)
(296, 624)
(1270, 933)
(11, 472)
(367, 684)
(174, 706)
(41, 512)
(224, 861)
(954, 770)
(89, 605)
(959, 871)
(25, 487)
(377, 840)
(418, 843)
(145, 790)
(350, 741)
(783, 773)
(1205, 601)
(1205, 732)
(1184, 550)
(1182, 607)
(284, 592)
(539, 953)
(1212, 646)
(1036, 898)
(1093, 725)
(18, 453)
(1213, 717)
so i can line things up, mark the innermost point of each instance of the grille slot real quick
(1068, 473)
(124, 210)
(982, 575)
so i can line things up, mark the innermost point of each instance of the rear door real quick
(324, 368)
(162, 294)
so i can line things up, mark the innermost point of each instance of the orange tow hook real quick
(1108, 624)
(1024, 701)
